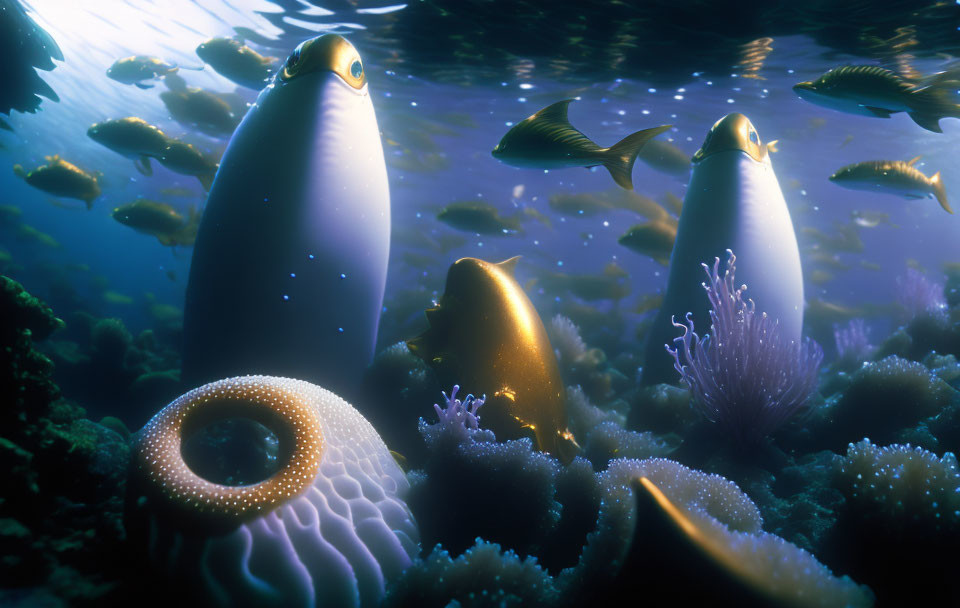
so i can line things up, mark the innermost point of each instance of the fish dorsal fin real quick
(509, 266)
(913, 160)
(556, 112)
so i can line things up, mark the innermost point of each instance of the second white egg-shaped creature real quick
(733, 202)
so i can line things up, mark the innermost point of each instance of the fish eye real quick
(754, 138)
(356, 69)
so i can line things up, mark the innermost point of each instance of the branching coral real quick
(744, 376)
(919, 296)
(853, 344)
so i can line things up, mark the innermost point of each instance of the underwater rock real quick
(329, 527)
(899, 527)
(486, 336)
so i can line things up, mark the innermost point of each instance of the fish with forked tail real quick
(874, 91)
(894, 177)
(547, 140)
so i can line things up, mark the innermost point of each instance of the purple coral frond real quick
(920, 296)
(459, 413)
(744, 375)
(853, 343)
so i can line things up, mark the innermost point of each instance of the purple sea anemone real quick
(919, 296)
(744, 375)
(853, 343)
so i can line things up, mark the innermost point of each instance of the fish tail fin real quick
(18, 171)
(930, 122)
(620, 157)
(143, 165)
(940, 192)
(206, 180)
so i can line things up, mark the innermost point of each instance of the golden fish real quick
(893, 177)
(60, 178)
(486, 336)
(237, 62)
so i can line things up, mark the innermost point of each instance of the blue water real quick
(94, 35)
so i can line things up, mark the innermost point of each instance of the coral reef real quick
(744, 376)
(900, 521)
(705, 559)
(408, 384)
(853, 344)
(481, 576)
(918, 296)
(883, 398)
(63, 476)
(143, 371)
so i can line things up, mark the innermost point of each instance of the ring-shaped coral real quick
(283, 409)
(329, 528)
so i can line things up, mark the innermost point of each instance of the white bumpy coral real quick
(330, 528)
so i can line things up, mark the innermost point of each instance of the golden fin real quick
(510, 265)
(556, 112)
(940, 192)
(18, 171)
(620, 157)
(913, 160)
(530, 284)
(772, 146)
